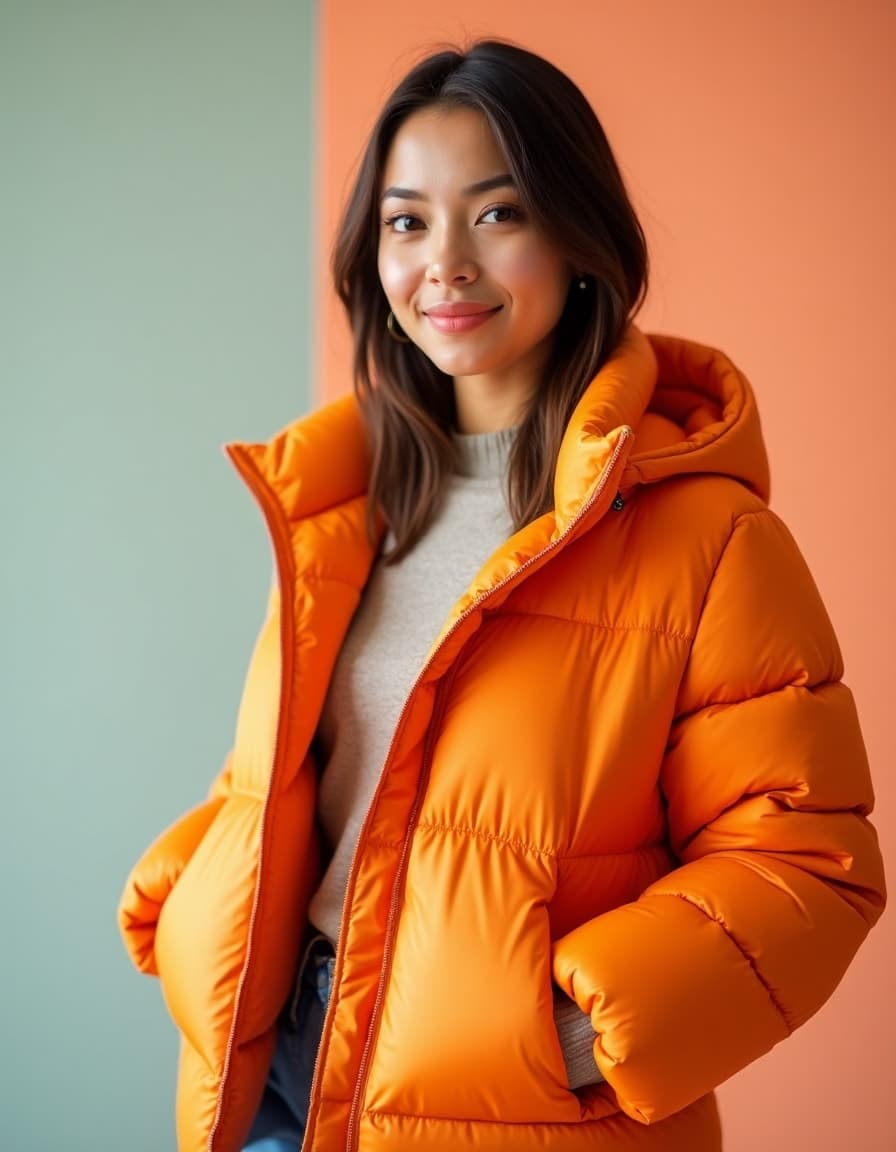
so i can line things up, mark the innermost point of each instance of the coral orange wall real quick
(756, 139)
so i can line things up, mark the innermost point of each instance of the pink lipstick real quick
(458, 316)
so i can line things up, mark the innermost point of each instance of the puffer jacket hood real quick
(663, 811)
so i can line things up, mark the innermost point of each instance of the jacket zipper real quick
(269, 512)
(392, 919)
(398, 883)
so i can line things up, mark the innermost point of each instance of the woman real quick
(546, 811)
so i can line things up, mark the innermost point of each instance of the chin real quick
(457, 364)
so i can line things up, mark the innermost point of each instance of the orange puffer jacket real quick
(627, 768)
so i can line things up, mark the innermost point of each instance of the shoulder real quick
(686, 521)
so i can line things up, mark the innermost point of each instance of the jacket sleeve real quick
(768, 792)
(158, 870)
(156, 873)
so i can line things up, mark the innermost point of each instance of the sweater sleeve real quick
(576, 1035)
(780, 876)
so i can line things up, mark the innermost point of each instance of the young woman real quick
(546, 811)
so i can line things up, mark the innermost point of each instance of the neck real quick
(487, 405)
(494, 400)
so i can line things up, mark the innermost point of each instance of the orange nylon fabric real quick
(628, 767)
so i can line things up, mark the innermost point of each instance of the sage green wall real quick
(155, 270)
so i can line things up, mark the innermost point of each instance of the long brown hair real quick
(571, 187)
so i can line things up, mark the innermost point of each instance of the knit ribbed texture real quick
(577, 1041)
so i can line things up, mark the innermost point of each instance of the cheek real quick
(530, 269)
(397, 276)
(539, 289)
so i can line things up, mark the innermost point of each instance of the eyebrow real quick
(503, 181)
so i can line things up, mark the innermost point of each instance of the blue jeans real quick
(279, 1124)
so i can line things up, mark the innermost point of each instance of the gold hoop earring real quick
(392, 327)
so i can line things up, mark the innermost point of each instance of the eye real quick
(403, 222)
(501, 214)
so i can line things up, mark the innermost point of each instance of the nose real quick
(450, 259)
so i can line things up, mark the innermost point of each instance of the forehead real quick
(443, 147)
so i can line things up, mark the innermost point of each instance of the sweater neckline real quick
(483, 455)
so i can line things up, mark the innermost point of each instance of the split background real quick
(171, 175)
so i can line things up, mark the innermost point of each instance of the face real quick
(471, 280)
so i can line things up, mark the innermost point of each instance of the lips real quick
(459, 316)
